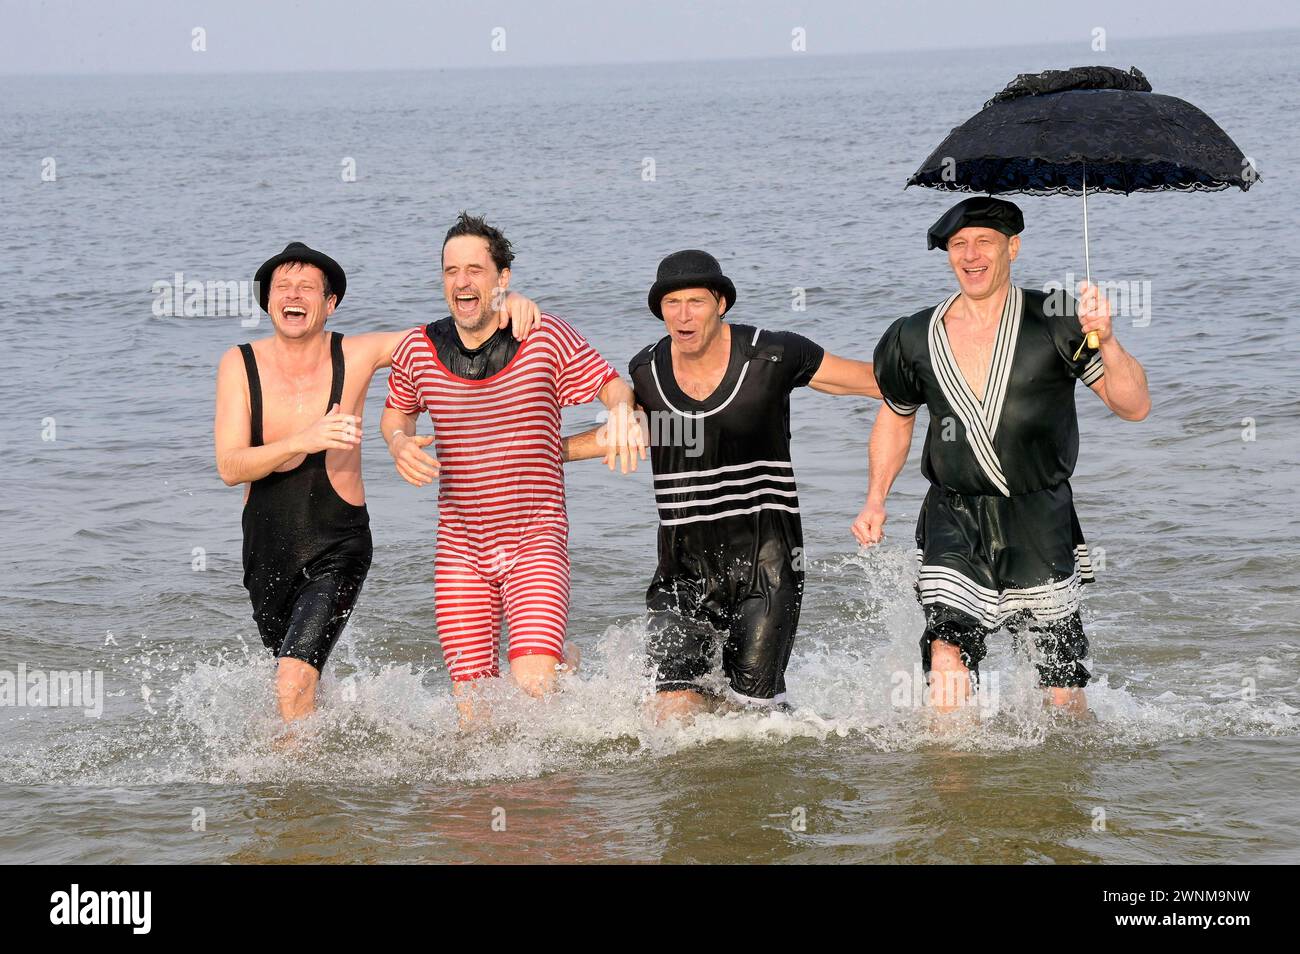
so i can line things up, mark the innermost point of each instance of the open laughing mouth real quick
(977, 271)
(467, 303)
(294, 313)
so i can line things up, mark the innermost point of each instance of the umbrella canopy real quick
(1081, 130)
(1056, 131)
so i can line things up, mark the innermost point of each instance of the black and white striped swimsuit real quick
(730, 539)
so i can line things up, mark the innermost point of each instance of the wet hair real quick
(294, 263)
(498, 245)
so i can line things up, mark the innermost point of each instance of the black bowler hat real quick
(689, 268)
(981, 211)
(297, 252)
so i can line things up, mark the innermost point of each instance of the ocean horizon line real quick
(597, 64)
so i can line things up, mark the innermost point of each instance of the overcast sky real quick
(96, 36)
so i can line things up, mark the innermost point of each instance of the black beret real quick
(981, 211)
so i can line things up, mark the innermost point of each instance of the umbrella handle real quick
(1092, 341)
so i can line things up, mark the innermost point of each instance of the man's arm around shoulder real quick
(838, 375)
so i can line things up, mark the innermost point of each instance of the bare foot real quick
(680, 705)
(288, 740)
(472, 709)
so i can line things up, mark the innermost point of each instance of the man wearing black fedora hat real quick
(288, 424)
(730, 541)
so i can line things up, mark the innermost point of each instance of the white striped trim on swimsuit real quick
(992, 608)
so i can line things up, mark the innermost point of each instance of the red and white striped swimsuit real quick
(502, 526)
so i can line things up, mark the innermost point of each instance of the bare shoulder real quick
(232, 377)
(259, 345)
(231, 360)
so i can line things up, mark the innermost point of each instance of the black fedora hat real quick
(690, 268)
(298, 252)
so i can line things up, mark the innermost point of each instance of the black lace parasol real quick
(1081, 130)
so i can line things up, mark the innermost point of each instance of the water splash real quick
(855, 678)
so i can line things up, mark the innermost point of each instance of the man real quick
(288, 424)
(495, 407)
(999, 540)
(730, 541)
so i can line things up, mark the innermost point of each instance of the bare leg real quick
(679, 704)
(470, 704)
(1069, 700)
(950, 686)
(295, 688)
(572, 658)
(535, 674)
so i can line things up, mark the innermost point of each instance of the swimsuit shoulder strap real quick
(642, 357)
(254, 394)
(336, 356)
(754, 343)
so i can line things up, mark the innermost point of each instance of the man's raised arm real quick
(891, 439)
(1123, 388)
(237, 461)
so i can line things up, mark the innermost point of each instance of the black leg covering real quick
(1061, 644)
(960, 630)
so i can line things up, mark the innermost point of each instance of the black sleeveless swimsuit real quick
(306, 549)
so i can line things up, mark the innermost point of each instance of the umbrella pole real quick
(1087, 262)
(1092, 341)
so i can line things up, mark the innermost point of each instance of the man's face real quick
(981, 259)
(297, 302)
(693, 317)
(473, 285)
